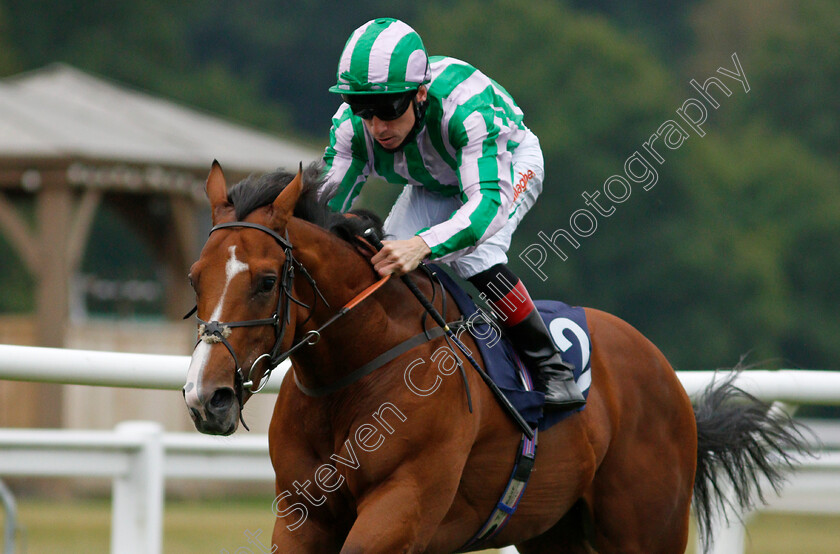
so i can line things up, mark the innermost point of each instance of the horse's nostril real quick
(222, 399)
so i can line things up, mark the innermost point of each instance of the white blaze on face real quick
(192, 390)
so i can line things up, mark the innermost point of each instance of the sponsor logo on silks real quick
(522, 185)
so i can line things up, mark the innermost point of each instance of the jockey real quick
(471, 169)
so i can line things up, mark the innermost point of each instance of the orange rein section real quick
(365, 293)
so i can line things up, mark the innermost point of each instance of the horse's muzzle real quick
(221, 413)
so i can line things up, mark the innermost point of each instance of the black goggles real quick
(387, 107)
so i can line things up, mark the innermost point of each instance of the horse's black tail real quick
(739, 439)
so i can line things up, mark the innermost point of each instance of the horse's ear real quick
(216, 189)
(284, 205)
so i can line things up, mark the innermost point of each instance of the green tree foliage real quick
(730, 258)
(794, 57)
(660, 24)
(716, 260)
(143, 43)
(732, 251)
(290, 49)
(8, 56)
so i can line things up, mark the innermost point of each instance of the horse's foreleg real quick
(303, 528)
(312, 537)
(392, 523)
(403, 513)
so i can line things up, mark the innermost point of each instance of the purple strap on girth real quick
(515, 489)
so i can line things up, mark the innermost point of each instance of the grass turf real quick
(219, 525)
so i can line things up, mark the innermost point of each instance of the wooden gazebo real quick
(70, 140)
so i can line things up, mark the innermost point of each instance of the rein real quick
(374, 364)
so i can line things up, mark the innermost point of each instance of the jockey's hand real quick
(399, 257)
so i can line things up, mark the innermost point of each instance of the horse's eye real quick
(267, 283)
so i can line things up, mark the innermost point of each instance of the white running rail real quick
(139, 456)
(150, 371)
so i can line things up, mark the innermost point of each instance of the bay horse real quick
(374, 467)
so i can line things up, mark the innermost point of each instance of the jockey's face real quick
(391, 134)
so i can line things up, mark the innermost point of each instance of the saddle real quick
(568, 328)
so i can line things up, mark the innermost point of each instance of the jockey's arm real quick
(346, 167)
(481, 215)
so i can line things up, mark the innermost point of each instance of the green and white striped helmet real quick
(383, 55)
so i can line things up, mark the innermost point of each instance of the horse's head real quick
(241, 281)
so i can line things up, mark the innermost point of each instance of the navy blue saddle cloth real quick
(568, 329)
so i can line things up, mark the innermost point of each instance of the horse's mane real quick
(254, 192)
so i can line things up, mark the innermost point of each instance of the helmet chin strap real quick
(419, 121)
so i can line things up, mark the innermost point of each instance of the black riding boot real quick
(552, 375)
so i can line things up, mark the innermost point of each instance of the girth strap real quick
(514, 491)
(374, 364)
(518, 481)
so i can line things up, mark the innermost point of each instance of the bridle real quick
(218, 331)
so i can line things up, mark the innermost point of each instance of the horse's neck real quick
(338, 270)
(341, 274)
